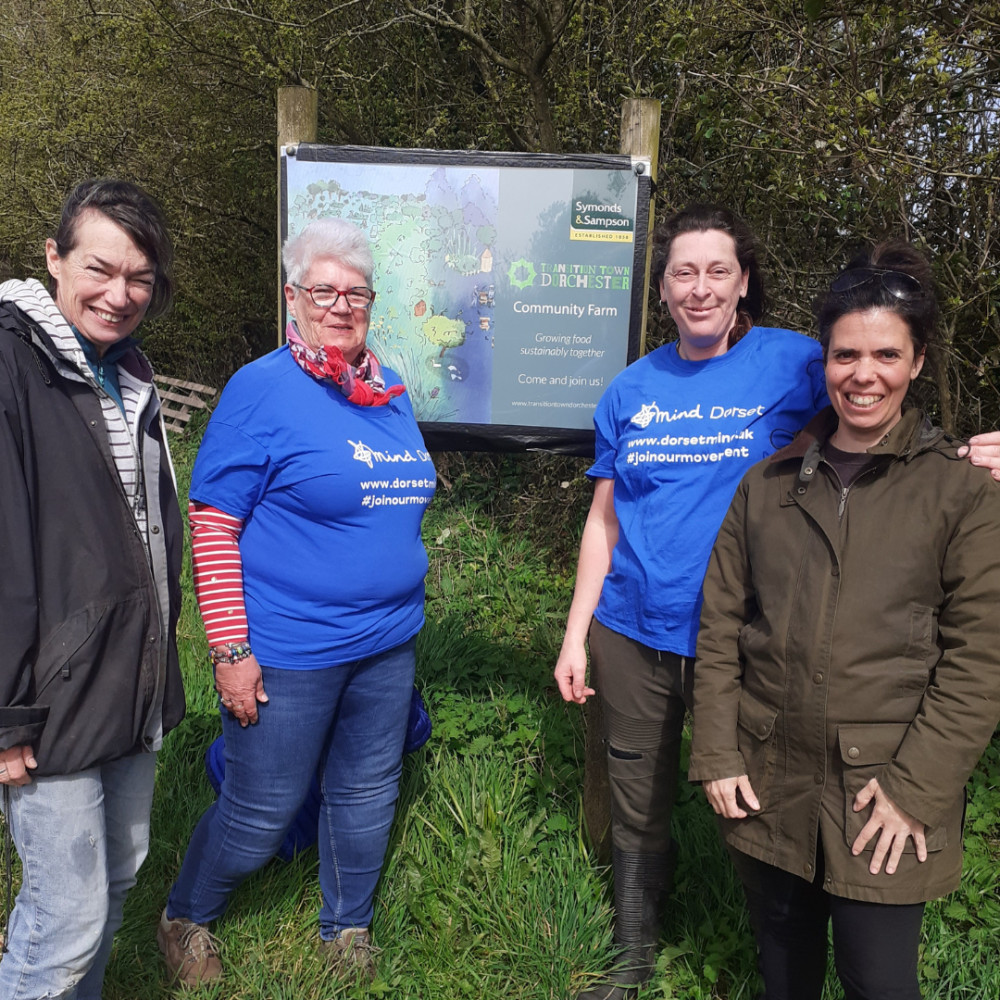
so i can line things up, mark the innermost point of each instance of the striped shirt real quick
(122, 427)
(218, 573)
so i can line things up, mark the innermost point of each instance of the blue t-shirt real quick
(676, 437)
(331, 495)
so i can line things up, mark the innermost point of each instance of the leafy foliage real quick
(862, 122)
(826, 123)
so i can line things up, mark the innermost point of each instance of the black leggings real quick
(874, 944)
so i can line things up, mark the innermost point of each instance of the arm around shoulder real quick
(984, 451)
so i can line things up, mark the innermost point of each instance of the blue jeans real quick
(81, 839)
(347, 721)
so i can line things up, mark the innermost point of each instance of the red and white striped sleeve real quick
(218, 573)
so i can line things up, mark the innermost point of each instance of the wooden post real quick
(298, 117)
(640, 136)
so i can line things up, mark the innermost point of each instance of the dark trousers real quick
(644, 694)
(874, 944)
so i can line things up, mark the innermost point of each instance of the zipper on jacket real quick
(845, 490)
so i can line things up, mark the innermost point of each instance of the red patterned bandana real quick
(362, 385)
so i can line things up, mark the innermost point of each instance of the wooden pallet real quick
(178, 400)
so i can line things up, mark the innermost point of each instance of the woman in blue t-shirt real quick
(306, 502)
(675, 432)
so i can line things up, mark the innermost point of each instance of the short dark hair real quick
(918, 308)
(699, 218)
(138, 213)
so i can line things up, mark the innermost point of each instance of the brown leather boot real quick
(351, 954)
(191, 953)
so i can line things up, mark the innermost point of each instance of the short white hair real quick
(335, 238)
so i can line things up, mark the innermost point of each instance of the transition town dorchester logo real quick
(524, 273)
(521, 274)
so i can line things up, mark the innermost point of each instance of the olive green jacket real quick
(847, 635)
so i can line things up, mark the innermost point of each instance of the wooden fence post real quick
(640, 136)
(298, 117)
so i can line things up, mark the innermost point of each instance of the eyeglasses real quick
(898, 284)
(326, 296)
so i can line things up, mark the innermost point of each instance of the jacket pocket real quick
(923, 633)
(864, 751)
(55, 655)
(758, 743)
(750, 640)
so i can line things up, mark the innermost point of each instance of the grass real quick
(489, 888)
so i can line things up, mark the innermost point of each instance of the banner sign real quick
(509, 286)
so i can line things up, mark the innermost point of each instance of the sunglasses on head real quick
(898, 284)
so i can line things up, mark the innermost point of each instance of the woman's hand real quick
(571, 673)
(14, 765)
(240, 687)
(985, 452)
(895, 824)
(721, 795)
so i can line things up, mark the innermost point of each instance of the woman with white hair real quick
(306, 502)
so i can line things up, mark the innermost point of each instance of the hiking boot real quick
(191, 953)
(351, 954)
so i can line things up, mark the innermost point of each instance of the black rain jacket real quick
(88, 659)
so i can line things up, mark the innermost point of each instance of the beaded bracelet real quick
(229, 652)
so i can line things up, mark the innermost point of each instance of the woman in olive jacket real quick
(848, 673)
